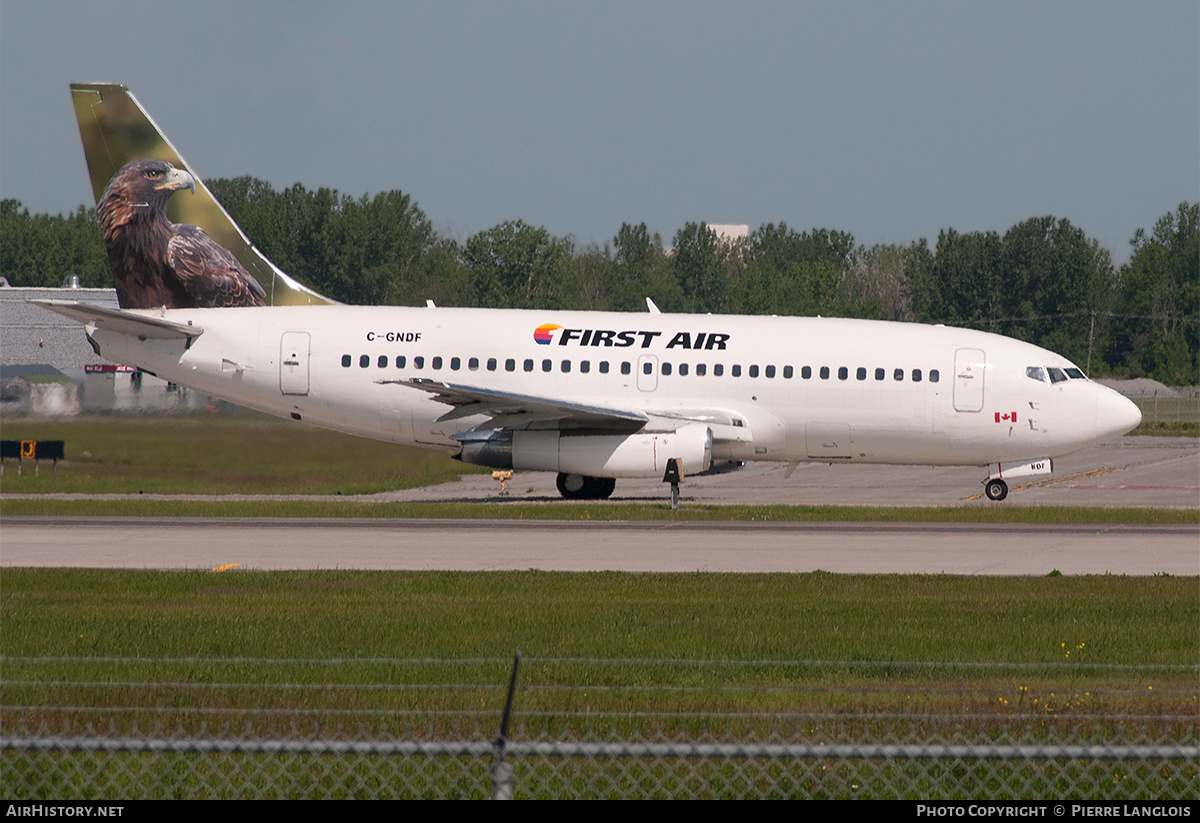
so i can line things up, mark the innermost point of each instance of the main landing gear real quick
(995, 489)
(582, 487)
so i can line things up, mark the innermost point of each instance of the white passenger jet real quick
(592, 396)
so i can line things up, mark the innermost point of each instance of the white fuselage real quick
(772, 388)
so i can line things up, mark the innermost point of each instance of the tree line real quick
(1043, 280)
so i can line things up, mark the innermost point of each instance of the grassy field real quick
(521, 510)
(240, 453)
(777, 642)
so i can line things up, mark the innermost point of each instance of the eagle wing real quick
(209, 272)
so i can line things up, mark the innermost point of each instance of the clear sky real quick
(890, 120)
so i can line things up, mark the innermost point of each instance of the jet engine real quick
(644, 454)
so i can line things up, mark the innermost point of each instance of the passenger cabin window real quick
(455, 363)
(473, 364)
(934, 376)
(585, 366)
(843, 373)
(683, 369)
(604, 367)
(528, 364)
(666, 369)
(861, 374)
(769, 371)
(491, 364)
(510, 365)
(898, 374)
(735, 371)
(364, 361)
(787, 372)
(754, 371)
(625, 367)
(701, 369)
(566, 366)
(547, 365)
(418, 362)
(880, 374)
(806, 372)
(346, 361)
(400, 361)
(718, 369)
(824, 372)
(916, 375)
(437, 362)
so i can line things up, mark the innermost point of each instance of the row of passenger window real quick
(665, 368)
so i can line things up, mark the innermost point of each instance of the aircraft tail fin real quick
(115, 129)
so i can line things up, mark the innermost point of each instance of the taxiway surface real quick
(866, 548)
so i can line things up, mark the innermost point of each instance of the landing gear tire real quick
(582, 487)
(996, 489)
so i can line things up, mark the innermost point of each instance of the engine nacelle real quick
(644, 454)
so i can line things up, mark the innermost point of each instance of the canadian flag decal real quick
(1006, 417)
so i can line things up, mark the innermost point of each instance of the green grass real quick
(607, 656)
(522, 510)
(878, 629)
(243, 453)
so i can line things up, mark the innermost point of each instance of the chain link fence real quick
(685, 736)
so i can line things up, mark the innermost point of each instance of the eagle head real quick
(140, 189)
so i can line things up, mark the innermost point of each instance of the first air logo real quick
(544, 335)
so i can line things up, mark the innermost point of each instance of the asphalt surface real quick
(1132, 472)
(876, 548)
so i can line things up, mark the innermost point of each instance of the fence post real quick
(502, 772)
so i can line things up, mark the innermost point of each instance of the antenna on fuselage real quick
(650, 307)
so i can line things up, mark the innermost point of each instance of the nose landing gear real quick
(995, 489)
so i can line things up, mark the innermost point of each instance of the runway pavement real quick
(849, 548)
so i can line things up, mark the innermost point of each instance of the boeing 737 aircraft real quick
(593, 396)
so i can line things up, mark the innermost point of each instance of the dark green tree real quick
(1157, 332)
(517, 265)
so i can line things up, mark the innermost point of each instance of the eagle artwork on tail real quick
(157, 263)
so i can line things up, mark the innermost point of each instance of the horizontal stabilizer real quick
(121, 321)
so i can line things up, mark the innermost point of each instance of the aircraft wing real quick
(122, 322)
(508, 409)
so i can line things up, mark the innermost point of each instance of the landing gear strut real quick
(582, 487)
(995, 489)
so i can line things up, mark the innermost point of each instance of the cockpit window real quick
(1076, 374)
(1035, 373)
(1056, 375)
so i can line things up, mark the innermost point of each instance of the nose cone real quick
(1115, 414)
